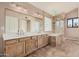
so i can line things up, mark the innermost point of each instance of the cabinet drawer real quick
(39, 37)
(24, 39)
(34, 37)
(9, 42)
(45, 35)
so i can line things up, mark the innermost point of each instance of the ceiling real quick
(55, 8)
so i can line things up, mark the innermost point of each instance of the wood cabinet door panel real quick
(31, 44)
(52, 41)
(40, 41)
(34, 43)
(9, 42)
(28, 46)
(45, 39)
(10, 50)
(20, 49)
(26, 38)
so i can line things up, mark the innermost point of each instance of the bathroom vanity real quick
(55, 40)
(24, 45)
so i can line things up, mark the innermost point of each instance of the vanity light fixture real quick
(37, 15)
(25, 10)
(19, 8)
(13, 5)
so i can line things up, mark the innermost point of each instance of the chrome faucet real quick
(20, 32)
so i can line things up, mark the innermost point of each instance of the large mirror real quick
(18, 22)
(48, 24)
(11, 24)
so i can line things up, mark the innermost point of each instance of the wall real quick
(1, 28)
(71, 32)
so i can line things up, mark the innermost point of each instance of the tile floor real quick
(67, 49)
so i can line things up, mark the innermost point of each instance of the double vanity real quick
(24, 45)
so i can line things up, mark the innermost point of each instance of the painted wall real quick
(1, 28)
(71, 32)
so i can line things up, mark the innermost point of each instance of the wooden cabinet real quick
(56, 40)
(28, 46)
(45, 39)
(34, 43)
(31, 44)
(10, 48)
(24, 46)
(42, 40)
(27, 42)
(20, 49)
(52, 41)
(14, 48)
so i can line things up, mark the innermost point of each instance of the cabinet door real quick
(34, 43)
(20, 48)
(28, 46)
(45, 39)
(40, 41)
(10, 50)
(52, 41)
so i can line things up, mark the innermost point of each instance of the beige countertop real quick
(15, 36)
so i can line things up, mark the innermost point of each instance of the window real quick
(72, 22)
(48, 24)
(35, 25)
(75, 22)
(11, 24)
